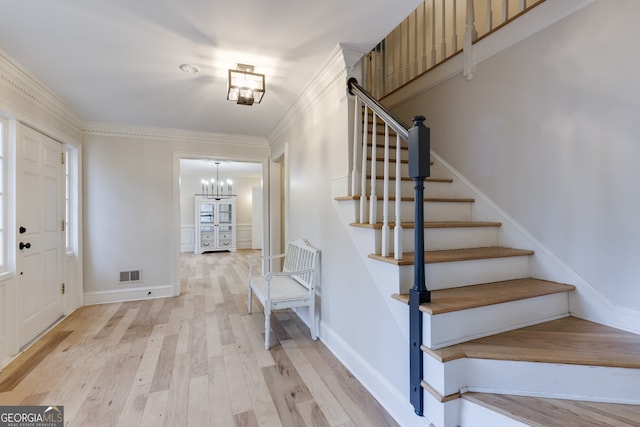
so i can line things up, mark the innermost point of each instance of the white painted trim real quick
(129, 294)
(7, 346)
(173, 135)
(394, 401)
(187, 245)
(15, 78)
(586, 302)
(244, 235)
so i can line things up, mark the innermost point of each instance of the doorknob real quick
(24, 245)
(22, 230)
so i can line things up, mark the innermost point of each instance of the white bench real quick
(295, 286)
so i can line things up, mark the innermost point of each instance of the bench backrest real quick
(300, 255)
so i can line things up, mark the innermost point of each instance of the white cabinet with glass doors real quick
(215, 224)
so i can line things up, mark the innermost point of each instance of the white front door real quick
(40, 238)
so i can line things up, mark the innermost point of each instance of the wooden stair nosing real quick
(381, 159)
(412, 199)
(548, 412)
(453, 255)
(568, 341)
(482, 295)
(431, 224)
(406, 178)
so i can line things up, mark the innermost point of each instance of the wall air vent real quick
(130, 276)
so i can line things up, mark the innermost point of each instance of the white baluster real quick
(523, 5)
(407, 74)
(454, 37)
(397, 229)
(388, 71)
(443, 44)
(397, 43)
(469, 67)
(433, 33)
(424, 37)
(385, 195)
(363, 178)
(505, 11)
(401, 71)
(373, 199)
(489, 17)
(416, 70)
(355, 174)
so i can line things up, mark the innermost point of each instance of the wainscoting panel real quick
(187, 238)
(244, 236)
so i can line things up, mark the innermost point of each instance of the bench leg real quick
(250, 298)
(267, 325)
(312, 321)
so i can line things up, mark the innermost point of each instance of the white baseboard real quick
(394, 402)
(130, 294)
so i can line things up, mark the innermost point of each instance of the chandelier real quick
(215, 187)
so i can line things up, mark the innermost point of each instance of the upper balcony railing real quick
(436, 31)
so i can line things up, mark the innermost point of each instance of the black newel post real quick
(419, 170)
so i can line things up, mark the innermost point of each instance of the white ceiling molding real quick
(173, 135)
(13, 78)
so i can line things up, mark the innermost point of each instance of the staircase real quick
(500, 347)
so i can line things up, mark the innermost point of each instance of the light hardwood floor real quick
(193, 360)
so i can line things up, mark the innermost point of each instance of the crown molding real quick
(17, 79)
(172, 135)
(340, 61)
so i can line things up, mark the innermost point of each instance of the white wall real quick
(355, 322)
(548, 129)
(132, 206)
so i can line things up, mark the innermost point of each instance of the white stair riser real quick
(474, 415)
(561, 381)
(436, 170)
(447, 329)
(404, 154)
(441, 414)
(441, 238)
(433, 211)
(462, 273)
(432, 189)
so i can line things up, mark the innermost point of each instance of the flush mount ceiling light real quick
(245, 86)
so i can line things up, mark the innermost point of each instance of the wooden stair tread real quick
(564, 341)
(406, 178)
(548, 412)
(432, 224)
(452, 255)
(411, 199)
(468, 297)
(381, 159)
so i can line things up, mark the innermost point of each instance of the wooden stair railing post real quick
(419, 170)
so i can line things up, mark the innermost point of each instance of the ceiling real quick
(116, 61)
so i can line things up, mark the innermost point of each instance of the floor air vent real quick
(130, 276)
